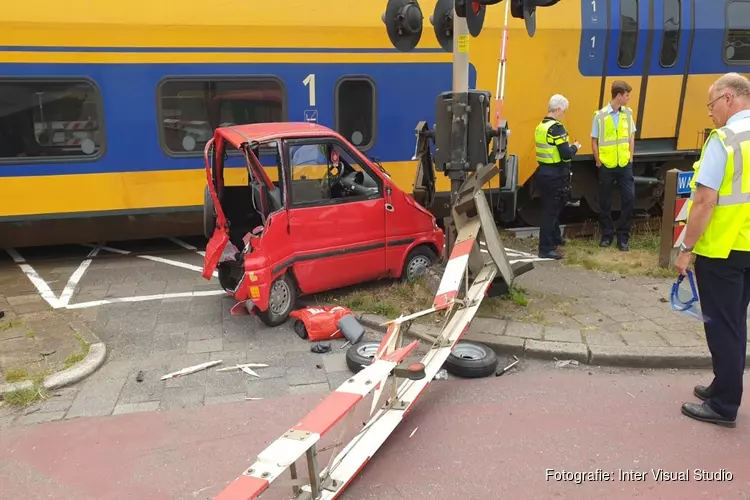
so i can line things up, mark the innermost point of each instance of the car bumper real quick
(255, 286)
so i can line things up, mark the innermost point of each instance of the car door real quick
(214, 163)
(338, 238)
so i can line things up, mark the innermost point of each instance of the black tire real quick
(209, 214)
(300, 330)
(417, 262)
(285, 285)
(471, 360)
(361, 354)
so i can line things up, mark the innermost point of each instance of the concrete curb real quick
(622, 356)
(79, 371)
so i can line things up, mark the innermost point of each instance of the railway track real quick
(587, 229)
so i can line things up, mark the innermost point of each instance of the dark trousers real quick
(623, 176)
(554, 187)
(724, 291)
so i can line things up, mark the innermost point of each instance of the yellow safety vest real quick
(614, 143)
(547, 153)
(729, 227)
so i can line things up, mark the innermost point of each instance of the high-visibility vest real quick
(614, 143)
(547, 153)
(729, 227)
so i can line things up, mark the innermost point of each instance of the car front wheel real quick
(281, 301)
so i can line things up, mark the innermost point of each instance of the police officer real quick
(554, 155)
(718, 233)
(613, 144)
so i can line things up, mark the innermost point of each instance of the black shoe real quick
(550, 255)
(704, 413)
(622, 246)
(701, 392)
(605, 242)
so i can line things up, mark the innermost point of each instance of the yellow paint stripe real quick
(211, 57)
(80, 193)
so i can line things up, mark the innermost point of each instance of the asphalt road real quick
(470, 439)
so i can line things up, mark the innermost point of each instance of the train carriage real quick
(105, 108)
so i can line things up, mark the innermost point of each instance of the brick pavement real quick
(573, 313)
(593, 317)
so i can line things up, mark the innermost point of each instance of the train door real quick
(665, 80)
(646, 45)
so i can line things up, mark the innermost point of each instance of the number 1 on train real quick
(310, 83)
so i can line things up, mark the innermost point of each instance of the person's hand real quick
(577, 145)
(682, 262)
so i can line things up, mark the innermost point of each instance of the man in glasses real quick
(718, 233)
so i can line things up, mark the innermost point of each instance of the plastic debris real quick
(191, 369)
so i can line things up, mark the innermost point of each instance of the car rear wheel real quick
(282, 296)
(417, 263)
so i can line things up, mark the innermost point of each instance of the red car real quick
(311, 214)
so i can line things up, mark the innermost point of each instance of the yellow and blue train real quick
(105, 107)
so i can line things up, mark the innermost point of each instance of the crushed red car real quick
(330, 218)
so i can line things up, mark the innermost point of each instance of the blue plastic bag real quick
(688, 307)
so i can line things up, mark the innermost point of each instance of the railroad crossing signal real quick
(404, 19)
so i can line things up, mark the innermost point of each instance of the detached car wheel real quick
(281, 301)
(417, 263)
(467, 360)
(471, 360)
(361, 354)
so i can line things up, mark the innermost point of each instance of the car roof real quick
(262, 132)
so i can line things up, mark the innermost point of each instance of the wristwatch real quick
(685, 249)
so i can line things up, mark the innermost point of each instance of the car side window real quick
(326, 172)
(308, 167)
(357, 179)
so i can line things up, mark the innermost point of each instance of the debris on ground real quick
(241, 366)
(191, 369)
(319, 322)
(566, 362)
(321, 348)
(441, 375)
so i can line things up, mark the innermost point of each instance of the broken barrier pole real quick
(674, 214)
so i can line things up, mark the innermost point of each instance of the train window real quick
(191, 109)
(628, 33)
(671, 36)
(737, 44)
(356, 110)
(50, 119)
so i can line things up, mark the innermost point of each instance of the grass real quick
(78, 356)
(22, 398)
(641, 260)
(26, 397)
(391, 299)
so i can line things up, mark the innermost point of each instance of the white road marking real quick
(44, 290)
(67, 292)
(186, 246)
(143, 298)
(170, 262)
